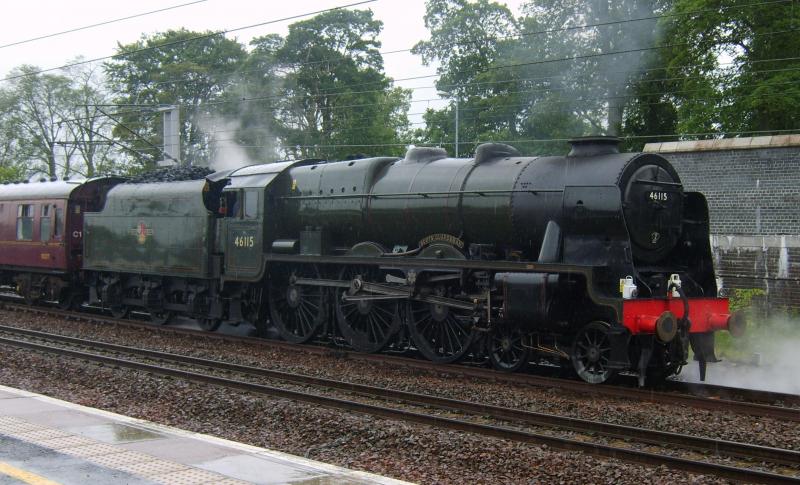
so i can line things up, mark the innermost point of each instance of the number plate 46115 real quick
(244, 241)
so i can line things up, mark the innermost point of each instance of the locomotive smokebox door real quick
(243, 241)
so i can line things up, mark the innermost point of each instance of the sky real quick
(22, 20)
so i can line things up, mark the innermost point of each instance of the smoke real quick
(766, 358)
(601, 63)
(224, 152)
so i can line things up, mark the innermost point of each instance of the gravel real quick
(401, 450)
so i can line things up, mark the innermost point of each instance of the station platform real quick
(45, 441)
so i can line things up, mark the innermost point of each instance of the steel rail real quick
(708, 398)
(714, 446)
(595, 449)
(735, 393)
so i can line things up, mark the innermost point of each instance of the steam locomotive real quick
(597, 259)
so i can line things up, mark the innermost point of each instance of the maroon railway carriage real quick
(41, 235)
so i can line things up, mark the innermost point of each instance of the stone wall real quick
(753, 190)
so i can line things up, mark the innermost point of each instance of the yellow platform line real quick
(24, 475)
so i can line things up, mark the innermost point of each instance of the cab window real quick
(250, 204)
(25, 222)
(229, 204)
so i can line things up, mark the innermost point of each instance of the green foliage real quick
(11, 173)
(9, 163)
(177, 67)
(559, 70)
(49, 123)
(544, 75)
(565, 69)
(742, 299)
(338, 100)
(732, 70)
(467, 40)
(35, 104)
(320, 92)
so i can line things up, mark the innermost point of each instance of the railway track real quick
(702, 396)
(170, 365)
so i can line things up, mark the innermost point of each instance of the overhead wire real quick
(148, 108)
(245, 99)
(207, 115)
(357, 128)
(571, 58)
(182, 41)
(100, 24)
(530, 140)
(503, 66)
(487, 39)
(484, 109)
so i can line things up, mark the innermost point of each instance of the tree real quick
(52, 124)
(337, 99)
(468, 40)
(89, 127)
(10, 167)
(177, 67)
(558, 71)
(733, 67)
(595, 51)
(650, 113)
(39, 105)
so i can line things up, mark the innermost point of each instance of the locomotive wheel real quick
(162, 317)
(370, 325)
(591, 352)
(120, 311)
(506, 350)
(298, 311)
(210, 324)
(441, 334)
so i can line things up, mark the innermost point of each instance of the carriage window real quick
(24, 222)
(45, 223)
(250, 204)
(59, 227)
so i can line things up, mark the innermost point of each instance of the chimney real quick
(592, 146)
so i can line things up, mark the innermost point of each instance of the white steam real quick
(225, 152)
(767, 358)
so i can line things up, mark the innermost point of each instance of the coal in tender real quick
(170, 174)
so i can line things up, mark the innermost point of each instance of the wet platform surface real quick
(45, 441)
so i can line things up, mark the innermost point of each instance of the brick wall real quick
(753, 190)
(749, 191)
(771, 263)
